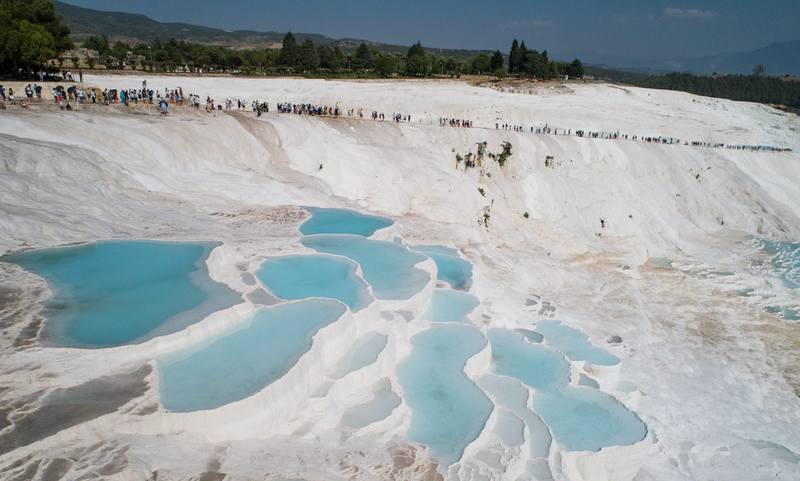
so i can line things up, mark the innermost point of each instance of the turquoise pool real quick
(448, 411)
(535, 365)
(241, 363)
(574, 343)
(585, 419)
(342, 221)
(448, 305)
(112, 293)
(364, 351)
(386, 266)
(299, 277)
(451, 267)
(580, 418)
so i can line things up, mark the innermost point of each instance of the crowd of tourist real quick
(64, 98)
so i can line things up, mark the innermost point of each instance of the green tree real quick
(30, 34)
(36, 44)
(575, 69)
(385, 65)
(120, 51)
(363, 59)
(308, 59)
(417, 63)
(289, 52)
(338, 59)
(325, 54)
(497, 61)
(514, 58)
(481, 64)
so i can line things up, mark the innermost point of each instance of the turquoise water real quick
(448, 305)
(533, 364)
(382, 404)
(386, 266)
(241, 363)
(364, 351)
(448, 411)
(574, 343)
(342, 221)
(451, 267)
(580, 418)
(585, 419)
(785, 261)
(299, 277)
(786, 265)
(112, 293)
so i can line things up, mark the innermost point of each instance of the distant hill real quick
(779, 58)
(134, 28)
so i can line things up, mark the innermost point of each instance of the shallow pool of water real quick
(451, 267)
(448, 305)
(111, 293)
(302, 276)
(241, 363)
(585, 419)
(383, 402)
(785, 261)
(364, 351)
(574, 343)
(388, 267)
(535, 365)
(342, 221)
(448, 410)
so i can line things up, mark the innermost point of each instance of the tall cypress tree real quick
(288, 55)
(308, 59)
(514, 57)
(497, 61)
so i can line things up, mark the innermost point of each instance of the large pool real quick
(388, 267)
(112, 293)
(448, 409)
(342, 221)
(299, 277)
(241, 363)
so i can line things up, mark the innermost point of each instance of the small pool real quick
(299, 277)
(241, 363)
(574, 343)
(364, 351)
(785, 261)
(112, 293)
(386, 266)
(383, 402)
(448, 305)
(535, 365)
(342, 221)
(448, 411)
(451, 267)
(585, 419)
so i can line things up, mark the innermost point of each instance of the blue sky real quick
(627, 28)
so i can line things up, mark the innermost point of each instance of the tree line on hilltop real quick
(33, 37)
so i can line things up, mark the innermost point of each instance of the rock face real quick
(703, 365)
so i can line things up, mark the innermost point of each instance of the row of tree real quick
(748, 88)
(531, 63)
(30, 34)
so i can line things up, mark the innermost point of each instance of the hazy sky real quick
(620, 27)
